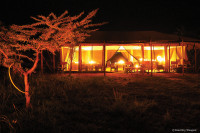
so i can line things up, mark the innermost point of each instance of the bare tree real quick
(48, 33)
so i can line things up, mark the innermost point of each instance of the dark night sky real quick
(160, 15)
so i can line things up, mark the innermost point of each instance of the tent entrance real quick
(117, 57)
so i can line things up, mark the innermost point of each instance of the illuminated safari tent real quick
(129, 51)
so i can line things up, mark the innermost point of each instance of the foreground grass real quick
(96, 104)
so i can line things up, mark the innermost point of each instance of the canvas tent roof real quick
(134, 36)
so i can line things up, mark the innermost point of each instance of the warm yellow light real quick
(87, 48)
(154, 48)
(121, 62)
(121, 48)
(92, 62)
(140, 59)
(131, 59)
(147, 48)
(160, 59)
(76, 62)
(136, 66)
(149, 59)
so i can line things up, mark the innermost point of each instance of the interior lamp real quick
(136, 66)
(121, 62)
(92, 62)
(160, 59)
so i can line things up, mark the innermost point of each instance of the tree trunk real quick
(27, 95)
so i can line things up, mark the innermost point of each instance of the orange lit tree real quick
(48, 33)
(6, 51)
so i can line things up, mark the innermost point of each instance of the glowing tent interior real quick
(148, 50)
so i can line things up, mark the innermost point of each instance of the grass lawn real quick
(93, 103)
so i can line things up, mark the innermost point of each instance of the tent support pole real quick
(142, 47)
(182, 58)
(80, 59)
(103, 59)
(176, 58)
(195, 60)
(151, 59)
(169, 58)
(61, 51)
(165, 48)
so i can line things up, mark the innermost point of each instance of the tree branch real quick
(34, 65)
(3, 38)
(24, 56)
(3, 53)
